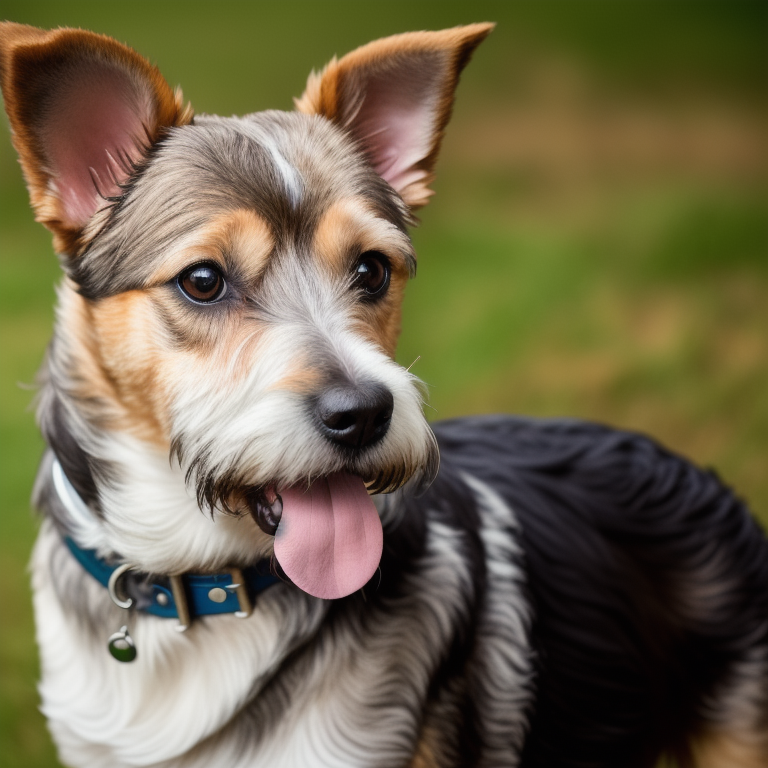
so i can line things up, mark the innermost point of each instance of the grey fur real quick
(224, 164)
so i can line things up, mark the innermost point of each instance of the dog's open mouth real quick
(328, 536)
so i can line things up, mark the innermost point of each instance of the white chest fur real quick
(288, 686)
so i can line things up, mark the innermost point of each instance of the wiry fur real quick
(561, 595)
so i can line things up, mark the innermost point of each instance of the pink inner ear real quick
(397, 120)
(94, 130)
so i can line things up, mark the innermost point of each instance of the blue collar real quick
(181, 597)
(172, 597)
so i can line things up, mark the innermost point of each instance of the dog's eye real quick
(202, 283)
(372, 273)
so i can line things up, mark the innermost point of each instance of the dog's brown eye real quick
(203, 283)
(372, 273)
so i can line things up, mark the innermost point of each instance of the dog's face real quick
(233, 286)
(238, 313)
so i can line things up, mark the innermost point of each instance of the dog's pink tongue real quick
(329, 540)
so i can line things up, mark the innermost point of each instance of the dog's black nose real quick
(355, 415)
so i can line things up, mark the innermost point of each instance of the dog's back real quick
(648, 583)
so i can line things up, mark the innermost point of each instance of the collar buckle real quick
(182, 606)
(243, 599)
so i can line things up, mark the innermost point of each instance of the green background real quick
(598, 244)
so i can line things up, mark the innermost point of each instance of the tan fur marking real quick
(730, 749)
(426, 754)
(223, 344)
(335, 92)
(99, 338)
(301, 382)
(27, 55)
(382, 321)
(241, 235)
(131, 356)
(224, 347)
(339, 231)
(87, 380)
(348, 229)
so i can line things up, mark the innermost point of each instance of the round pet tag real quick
(121, 645)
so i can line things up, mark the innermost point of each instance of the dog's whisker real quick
(413, 363)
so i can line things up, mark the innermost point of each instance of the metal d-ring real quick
(113, 586)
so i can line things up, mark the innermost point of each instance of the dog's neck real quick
(169, 596)
(133, 501)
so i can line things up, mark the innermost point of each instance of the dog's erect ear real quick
(395, 97)
(83, 110)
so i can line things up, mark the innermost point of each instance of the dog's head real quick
(233, 285)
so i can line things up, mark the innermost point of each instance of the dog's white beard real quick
(253, 433)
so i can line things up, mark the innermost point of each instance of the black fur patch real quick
(648, 578)
(78, 466)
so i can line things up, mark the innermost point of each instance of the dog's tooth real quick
(267, 515)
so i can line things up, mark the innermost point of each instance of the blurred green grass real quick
(598, 245)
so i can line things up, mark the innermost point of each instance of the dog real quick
(248, 554)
